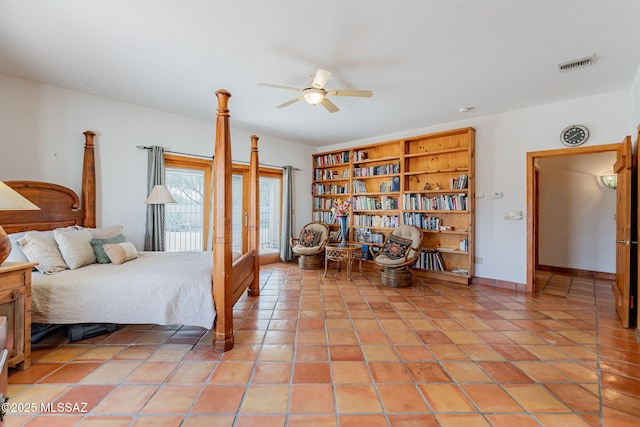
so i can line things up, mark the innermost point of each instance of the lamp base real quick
(5, 245)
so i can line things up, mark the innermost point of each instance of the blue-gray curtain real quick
(286, 254)
(154, 232)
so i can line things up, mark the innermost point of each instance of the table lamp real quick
(160, 195)
(10, 199)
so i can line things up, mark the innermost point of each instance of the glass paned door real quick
(270, 217)
(270, 212)
(184, 220)
(238, 215)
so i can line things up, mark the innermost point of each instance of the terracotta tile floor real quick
(325, 352)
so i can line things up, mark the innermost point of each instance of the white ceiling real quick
(423, 59)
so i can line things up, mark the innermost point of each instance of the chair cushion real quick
(310, 238)
(396, 247)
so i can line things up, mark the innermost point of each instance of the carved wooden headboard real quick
(59, 206)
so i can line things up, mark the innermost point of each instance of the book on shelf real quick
(377, 170)
(430, 260)
(446, 202)
(359, 156)
(359, 186)
(331, 159)
(459, 183)
(390, 186)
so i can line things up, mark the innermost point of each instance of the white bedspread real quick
(162, 288)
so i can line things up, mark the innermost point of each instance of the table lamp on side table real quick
(10, 199)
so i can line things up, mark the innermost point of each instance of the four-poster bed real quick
(227, 281)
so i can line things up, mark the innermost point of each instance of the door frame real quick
(532, 199)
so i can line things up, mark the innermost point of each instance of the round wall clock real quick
(574, 135)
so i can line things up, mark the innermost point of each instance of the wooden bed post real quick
(89, 181)
(254, 215)
(222, 239)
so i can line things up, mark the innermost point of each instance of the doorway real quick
(270, 187)
(533, 199)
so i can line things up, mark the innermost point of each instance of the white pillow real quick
(120, 253)
(105, 232)
(16, 254)
(41, 247)
(75, 246)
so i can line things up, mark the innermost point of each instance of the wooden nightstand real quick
(15, 304)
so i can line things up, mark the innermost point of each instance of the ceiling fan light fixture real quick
(314, 96)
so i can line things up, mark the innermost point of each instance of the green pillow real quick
(101, 255)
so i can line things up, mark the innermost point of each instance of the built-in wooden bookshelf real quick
(426, 180)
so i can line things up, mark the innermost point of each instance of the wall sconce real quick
(610, 181)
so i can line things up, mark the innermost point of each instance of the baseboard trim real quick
(499, 284)
(578, 272)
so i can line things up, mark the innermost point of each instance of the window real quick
(187, 222)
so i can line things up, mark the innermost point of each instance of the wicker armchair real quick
(401, 249)
(310, 245)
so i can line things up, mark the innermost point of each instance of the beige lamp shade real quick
(160, 195)
(10, 199)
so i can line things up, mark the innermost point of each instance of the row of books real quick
(389, 221)
(324, 202)
(372, 203)
(459, 183)
(421, 220)
(377, 170)
(329, 188)
(365, 235)
(430, 260)
(325, 216)
(446, 202)
(359, 156)
(326, 174)
(391, 185)
(331, 159)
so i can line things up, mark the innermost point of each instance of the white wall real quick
(635, 107)
(577, 227)
(502, 142)
(41, 139)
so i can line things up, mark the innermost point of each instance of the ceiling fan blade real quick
(296, 89)
(320, 78)
(348, 92)
(330, 106)
(291, 101)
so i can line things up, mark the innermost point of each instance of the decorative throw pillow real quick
(75, 246)
(119, 253)
(396, 247)
(97, 244)
(106, 232)
(41, 247)
(309, 238)
(16, 254)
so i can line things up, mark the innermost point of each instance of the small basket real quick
(395, 277)
(311, 262)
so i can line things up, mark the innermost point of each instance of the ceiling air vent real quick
(577, 63)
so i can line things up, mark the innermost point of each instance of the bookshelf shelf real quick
(419, 173)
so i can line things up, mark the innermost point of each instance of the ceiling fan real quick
(315, 93)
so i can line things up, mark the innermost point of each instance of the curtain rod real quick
(144, 147)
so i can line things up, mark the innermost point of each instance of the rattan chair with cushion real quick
(401, 249)
(309, 247)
